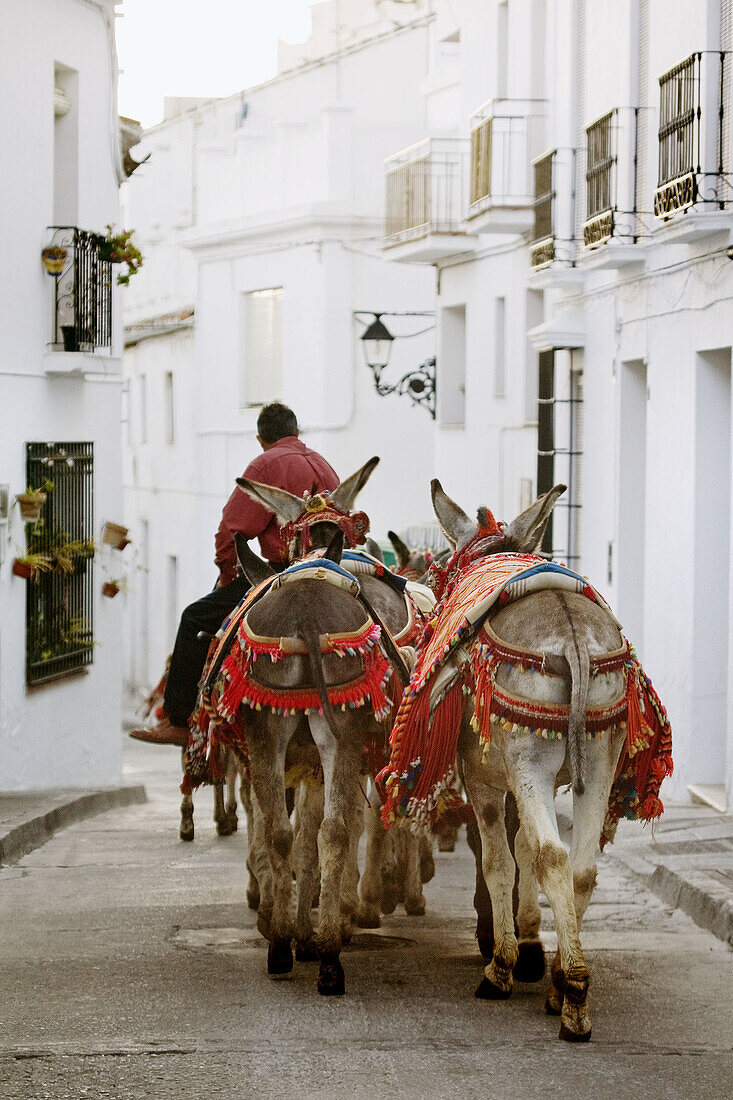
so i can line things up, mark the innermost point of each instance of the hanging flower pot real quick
(110, 589)
(53, 259)
(114, 534)
(31, 503)
(68, 335)
(30, 566)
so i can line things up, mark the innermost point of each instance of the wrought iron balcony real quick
(82, 311)
(505, 136)
(693, 143)
(426, 199)
(542, 251)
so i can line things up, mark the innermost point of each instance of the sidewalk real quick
(687, 863)
(29, 818)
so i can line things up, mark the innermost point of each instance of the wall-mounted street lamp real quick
(418, 384)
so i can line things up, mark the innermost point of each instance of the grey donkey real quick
(305, 609)
(567, 625)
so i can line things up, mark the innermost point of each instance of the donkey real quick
(308, 608)
(566, 625)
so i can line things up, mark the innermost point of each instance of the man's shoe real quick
(163, 733)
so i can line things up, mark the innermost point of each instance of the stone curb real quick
(713, 914)
(31, 834)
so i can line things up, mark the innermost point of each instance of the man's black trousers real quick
(189, 654)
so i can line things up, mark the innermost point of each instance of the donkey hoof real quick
(186, 831)
(551, 1008)
(279, 958)
(389, 900)
(487, 991)
(574, 1036)
(306, 951)
(530, 964)
(232, 820)
(222, 828)
(253, 897)
(415, 907)
(331, 981)
(367, 917)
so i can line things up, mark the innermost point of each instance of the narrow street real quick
(130, 967)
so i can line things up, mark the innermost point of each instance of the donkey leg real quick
(498, 870)
(481, 899)
(309, 801)
(220, 814)
(231, 802)
(530, 966)
(261, 871)
(533, 765)
(268, 743)
(185, 830)
(414, 897)
(367, 915)
(427, 863)
(350, 877)
(341, 762)
(253, 889)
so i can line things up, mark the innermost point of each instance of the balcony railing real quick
(542, 250)
(691, 134)
(504, 134)
(426, 191)
(82, 317)
(600, 180)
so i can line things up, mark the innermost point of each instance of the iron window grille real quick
(425, 190)
(600, 180)
(543, 246)
(82, 316)
(59, 605)
(560, 454)
(682, 153)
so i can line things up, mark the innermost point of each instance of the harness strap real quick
(388, 642)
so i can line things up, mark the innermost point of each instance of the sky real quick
(199, 48)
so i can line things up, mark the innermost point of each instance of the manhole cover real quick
(243, 941)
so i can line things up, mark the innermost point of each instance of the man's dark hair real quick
(276, 421)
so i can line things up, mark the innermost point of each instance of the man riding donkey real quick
(285, 464)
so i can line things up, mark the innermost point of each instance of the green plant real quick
(118, 248)
(37, 494)
(65, 552)
(32, 564)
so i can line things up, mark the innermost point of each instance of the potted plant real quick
(118, 248)
(114, 534)
(30, 566)
(70, 555)
(110, 588)
(54, 258)
(32, 500)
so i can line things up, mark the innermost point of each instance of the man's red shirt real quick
(287, 464)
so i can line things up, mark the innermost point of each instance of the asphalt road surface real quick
(130, 967)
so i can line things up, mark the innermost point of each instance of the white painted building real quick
(260, 217)
(60, 666)
(578, 220)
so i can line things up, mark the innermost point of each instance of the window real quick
(262, 381)
(59, 602)
(142, 390)
(499, 347)
(543, 249)
(560, 450)
(452, 366)
(169, 408)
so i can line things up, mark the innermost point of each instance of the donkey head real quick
(410, 563)
(289, 508)
(522, 536)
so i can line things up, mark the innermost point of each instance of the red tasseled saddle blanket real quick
(457, 658)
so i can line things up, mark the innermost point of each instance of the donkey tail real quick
(308, 630)
(576, 654)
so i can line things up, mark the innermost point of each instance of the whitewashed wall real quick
(66, 733)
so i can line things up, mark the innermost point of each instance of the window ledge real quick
(692, 225)
(79, 364)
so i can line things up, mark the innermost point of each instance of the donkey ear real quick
(345, 495)
(335, 548)
(458, 528)
(401, 550)
(285, 506)
(374, 549)
(255, 569)
(527, 530)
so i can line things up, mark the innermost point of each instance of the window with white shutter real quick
(262, 367)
